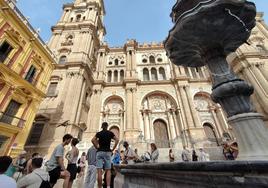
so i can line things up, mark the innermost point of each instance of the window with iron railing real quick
(5, 49)
(35, 134)
(9, 115)
(31, 74)
(3, 141)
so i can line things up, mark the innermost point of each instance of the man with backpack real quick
(38, 177)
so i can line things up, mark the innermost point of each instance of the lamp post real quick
(205, 32)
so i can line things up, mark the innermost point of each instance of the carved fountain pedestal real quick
(205, 32)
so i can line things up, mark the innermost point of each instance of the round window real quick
(144, 60)
(159, 59)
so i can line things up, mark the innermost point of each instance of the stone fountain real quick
(204, 34)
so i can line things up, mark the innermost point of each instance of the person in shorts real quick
(55, 165)
(72, 157)
(102, 141)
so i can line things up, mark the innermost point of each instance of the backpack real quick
(44, 184)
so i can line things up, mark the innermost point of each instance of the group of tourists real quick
(187, 155)
(100, 158)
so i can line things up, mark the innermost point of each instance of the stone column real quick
(94, 113)
(122, 129)
(128, 66)
(222, 121)
(151, 125)
(77, 91)
(260, 79)
(219, 131)
(264, 69)
(171, 125)
(192, 107)
(80, 102)
(186, 107)
(133, 62)
(134, 110)
(129, 109)
(259, 91)
(176, 124)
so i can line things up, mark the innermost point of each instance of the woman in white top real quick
(72, 157)
(155, 153)
(129, 154)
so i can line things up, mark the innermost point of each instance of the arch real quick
(261, 48)
(115, 76)
(121, 76)
(144, 60)
(109, 78)
(152, 59)
(162, 74)
(146, 76)
(154, 74)
(113, 97)
(210, 132)
(78, 17)
(160, 93)
(161, 134)
(116, 62)
(62, 59)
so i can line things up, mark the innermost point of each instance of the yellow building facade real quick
(26, 65)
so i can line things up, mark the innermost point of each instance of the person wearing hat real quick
(102, 141)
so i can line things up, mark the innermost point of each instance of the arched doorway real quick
(161, 134)
(210, 133)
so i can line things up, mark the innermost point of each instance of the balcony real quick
(11, 120)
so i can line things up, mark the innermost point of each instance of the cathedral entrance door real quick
(161, 134)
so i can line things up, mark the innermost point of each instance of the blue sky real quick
(143, 20)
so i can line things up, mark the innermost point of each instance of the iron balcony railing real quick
(11, 120)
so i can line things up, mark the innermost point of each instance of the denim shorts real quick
(104, 160)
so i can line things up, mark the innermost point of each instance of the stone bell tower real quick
(75, 40)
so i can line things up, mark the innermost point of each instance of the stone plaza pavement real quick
(78, 183)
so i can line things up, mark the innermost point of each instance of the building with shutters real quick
(26, 64)
(136, 89)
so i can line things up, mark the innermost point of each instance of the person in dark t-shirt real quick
(102, 141)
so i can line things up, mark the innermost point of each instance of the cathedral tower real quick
(75, 41)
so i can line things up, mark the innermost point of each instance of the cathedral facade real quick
(136, 89)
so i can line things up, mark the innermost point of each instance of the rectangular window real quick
(30, 74)
(3, 142)
(35, 134)
(5, 49)
(52, 89)
(10, 113)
